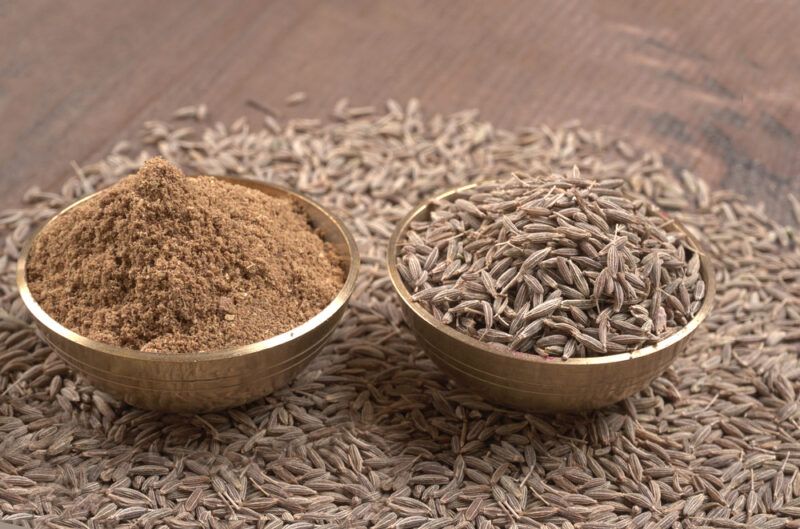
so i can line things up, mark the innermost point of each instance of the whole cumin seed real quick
(296, 98)
(372, 388)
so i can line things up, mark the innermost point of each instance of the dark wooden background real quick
(714, 85)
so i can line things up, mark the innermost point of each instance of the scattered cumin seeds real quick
(717, 432)
(296, 98)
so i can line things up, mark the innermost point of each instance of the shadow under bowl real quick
(204, 381)
(527, 381)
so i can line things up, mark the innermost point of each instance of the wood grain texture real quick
(713, 85)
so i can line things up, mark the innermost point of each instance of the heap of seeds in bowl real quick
(553, 265)
(168, 263)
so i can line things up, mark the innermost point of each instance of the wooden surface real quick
(715, 85)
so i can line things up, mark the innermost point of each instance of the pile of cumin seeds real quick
(372, 434)
(556, 265)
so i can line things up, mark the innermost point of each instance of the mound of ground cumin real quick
(169, 263)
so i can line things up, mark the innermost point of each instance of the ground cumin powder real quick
(164, 262)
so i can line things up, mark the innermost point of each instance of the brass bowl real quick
(204, 381)
(527, 381)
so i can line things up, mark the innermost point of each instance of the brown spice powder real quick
(168, 263)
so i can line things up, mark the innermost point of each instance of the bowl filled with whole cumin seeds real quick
(188, 294)
(549, 293)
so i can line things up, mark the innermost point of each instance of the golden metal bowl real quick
(204, 381)
(527, 381)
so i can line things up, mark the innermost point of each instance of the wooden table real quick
(715, 85)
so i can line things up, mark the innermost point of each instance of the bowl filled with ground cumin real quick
(189, 294)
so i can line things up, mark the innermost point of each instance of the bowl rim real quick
(706, 271)
(337, 303)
